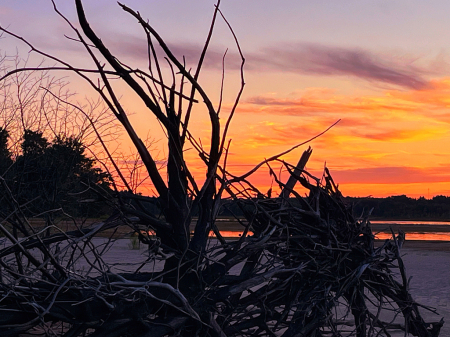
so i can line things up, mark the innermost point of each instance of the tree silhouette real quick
(54, 175)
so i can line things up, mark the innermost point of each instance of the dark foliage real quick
(54, 177)
(5, 154)
(402, 207)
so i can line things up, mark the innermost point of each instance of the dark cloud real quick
(316, 59)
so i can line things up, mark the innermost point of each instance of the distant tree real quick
(55, 175)
(34, 143)
(28, 170)
(403, 208)
(36, 121)
(71, 173)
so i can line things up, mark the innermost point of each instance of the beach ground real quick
(428, 265)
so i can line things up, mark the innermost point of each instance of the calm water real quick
(435, 236)
(426, 231)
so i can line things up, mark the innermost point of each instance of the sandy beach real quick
(429, 270)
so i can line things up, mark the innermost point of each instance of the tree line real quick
(401, 207)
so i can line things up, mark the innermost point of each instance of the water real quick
(436, 236)
(415, 230)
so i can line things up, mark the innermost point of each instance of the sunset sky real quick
(381, 66)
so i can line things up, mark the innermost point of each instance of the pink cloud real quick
(391, 175)
(349, 129)
(307, 104)
(390, 135)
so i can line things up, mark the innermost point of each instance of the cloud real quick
(391, 135)
(351, 131)
(280, 134)
(136, 48)
(436, 94)
(399, 135)
(314, 104)
(300, 58)
(391, 175)
(428, 105)
(315, 59)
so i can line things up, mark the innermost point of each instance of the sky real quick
(381, 67)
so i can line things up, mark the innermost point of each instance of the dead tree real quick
(301, 267)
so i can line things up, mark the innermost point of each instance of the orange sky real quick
(386, 77)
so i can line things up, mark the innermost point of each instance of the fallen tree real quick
(303, 268)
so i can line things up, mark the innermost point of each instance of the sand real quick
(430, 281)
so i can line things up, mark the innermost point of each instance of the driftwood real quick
(303, 266)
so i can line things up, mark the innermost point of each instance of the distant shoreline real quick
(402, 208)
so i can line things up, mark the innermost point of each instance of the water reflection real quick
(415, 230)
(230, 234)
(437, 236)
